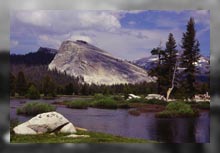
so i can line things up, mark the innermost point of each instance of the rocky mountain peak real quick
(79, 58)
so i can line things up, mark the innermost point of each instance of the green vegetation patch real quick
(35, 108)
(177, 109)
(104, 102)
(95, 137)
(78, 104)
(33, 93)
(99, 101)
(147, 101)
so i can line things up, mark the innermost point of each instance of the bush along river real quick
(121, 122)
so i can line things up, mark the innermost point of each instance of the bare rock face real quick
(44, 123)
(95, 65)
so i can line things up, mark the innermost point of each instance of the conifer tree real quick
(158, 71)
(12, 82)
(170, 61)
(49, 88)
(190, 56)
(21, 84)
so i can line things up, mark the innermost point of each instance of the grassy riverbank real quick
(94, 137)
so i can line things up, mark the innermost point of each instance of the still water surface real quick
(120, 122)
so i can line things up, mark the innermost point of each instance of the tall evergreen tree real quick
(170, 61)
(69, 89)
(33, 92)
(21, 84)
(190, 56)
(157, 71)
(49, 88)
(12, 80)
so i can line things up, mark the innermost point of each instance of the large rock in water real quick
(95, 65)
(45, 123)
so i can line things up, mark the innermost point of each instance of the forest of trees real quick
(46, 85)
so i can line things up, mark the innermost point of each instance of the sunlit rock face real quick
(79, 58)
(45, 123)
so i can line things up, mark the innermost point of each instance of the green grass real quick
(78, 104)
(104, 102)
(99, 101)
(177, 109)
(155, 101)
(35, 108)
(147, 101)
(95, 137)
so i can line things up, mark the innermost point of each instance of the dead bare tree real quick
(172, 83)
(173, 78)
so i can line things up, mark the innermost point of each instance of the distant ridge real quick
(42, 57)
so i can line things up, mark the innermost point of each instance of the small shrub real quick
(118, 98)
(105, 102)
(99, 96)
(78, 104)
(136, 100)
(155, 101)
(177, 109)
(35, 108)
(33, 93)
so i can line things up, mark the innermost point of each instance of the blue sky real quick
(125, 34)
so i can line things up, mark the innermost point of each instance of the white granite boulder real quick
(45, 123)
(155, 96)
(69, 128)
(132, 96)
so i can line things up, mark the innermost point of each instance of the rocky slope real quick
(95, 65)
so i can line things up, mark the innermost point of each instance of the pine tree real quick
(49, 88)
(190, 56)
(33, 92)
(21, 84)
(12, 84)
(69, 89)
(158, 71)
(169, 65)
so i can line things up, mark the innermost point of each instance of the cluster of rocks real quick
(148, 97)
(132, 96)
(155, 96)
(202, 98)
(50, 122)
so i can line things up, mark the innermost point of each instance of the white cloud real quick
(37, 18)
(102, 20)
(66, 21)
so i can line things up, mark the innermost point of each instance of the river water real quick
(120, 122)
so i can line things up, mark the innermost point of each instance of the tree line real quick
(21, 85)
